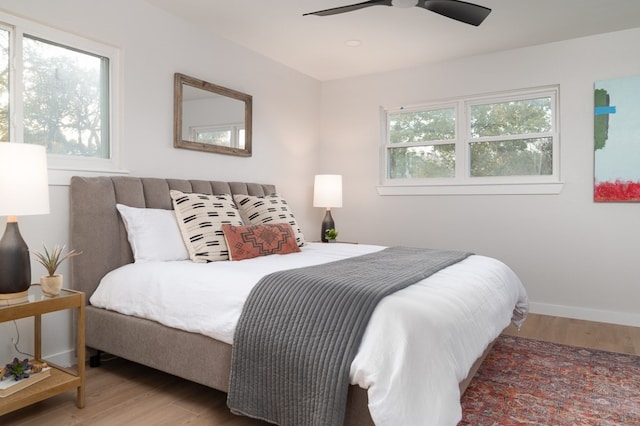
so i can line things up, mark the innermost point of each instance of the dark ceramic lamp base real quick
(327, 223)
(15, 266)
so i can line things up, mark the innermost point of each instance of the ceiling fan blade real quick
(469, 13)
(343, 9)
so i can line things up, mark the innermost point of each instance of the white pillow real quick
(153, 234)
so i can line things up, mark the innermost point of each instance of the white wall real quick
(576, 258)
(154, 45)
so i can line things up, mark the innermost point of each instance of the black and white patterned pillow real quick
(269, 209)
(200, 218)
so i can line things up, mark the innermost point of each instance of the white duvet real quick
(419, 343)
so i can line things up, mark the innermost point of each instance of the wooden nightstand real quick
(61, 379)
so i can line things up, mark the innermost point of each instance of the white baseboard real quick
(612, 317)
(63, 359)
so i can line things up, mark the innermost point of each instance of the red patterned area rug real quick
(525, 381)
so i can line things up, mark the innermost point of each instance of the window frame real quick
(62, 167)
(463, 182)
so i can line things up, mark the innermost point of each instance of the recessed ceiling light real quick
(353, 43)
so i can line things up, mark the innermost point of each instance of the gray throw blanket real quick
(300, 330)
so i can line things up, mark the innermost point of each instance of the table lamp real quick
(327, 193)
(24, 190)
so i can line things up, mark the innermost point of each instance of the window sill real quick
(473, 189)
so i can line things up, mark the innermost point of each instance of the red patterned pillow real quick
(246, 242)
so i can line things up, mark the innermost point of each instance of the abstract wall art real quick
(617, 140)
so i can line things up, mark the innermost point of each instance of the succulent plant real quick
(51, 260)
(18, 369)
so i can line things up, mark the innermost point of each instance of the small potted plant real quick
(51, 260)
(17, 369)
(331, 235)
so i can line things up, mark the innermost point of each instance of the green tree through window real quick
(420, 160)
(512, 157)
(63, 99)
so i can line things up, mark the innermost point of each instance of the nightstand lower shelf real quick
(59, 381)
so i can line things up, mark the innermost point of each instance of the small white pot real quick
(51, 285)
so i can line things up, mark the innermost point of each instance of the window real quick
(229, 135)
(506, 143)
(56, 90)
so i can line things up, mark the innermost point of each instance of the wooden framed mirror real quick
(211, 118)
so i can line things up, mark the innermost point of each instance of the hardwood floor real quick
(124, 393)
(594, 335)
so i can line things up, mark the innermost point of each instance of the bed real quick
(98, 231)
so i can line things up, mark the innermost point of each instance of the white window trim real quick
(475, 189)
(462, 183)
(61, 167)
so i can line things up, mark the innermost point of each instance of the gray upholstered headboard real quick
(97, 229)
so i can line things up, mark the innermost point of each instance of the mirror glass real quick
(211, 118)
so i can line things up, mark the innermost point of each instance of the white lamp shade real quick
(24, 183)
(327, 191)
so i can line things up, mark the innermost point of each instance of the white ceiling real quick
(395, 38)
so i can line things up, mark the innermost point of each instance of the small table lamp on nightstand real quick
(327, 193)
(24, 190)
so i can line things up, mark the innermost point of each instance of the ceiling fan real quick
(468, 13)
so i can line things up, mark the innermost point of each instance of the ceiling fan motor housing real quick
(404, 3)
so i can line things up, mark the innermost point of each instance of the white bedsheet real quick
(419, 344)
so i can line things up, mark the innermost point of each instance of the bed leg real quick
(94, 360)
